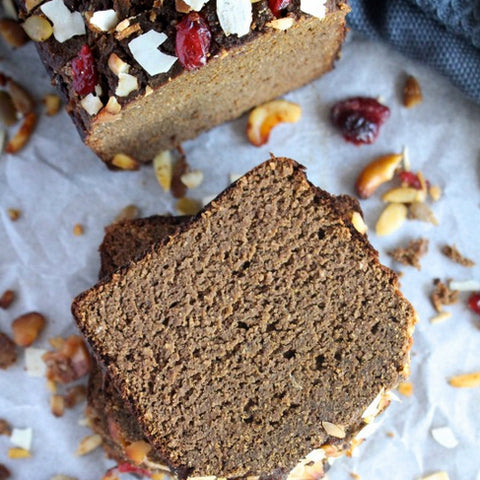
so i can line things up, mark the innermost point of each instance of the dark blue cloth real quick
(443, 33)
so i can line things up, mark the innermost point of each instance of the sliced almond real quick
(404, 195)
(359, 223)
(52, 104)
(27, 327)
(441, 317)
(376, 173)
(16, 453)
(88, 444)
(405, 389)
(334, 430)
(57, 405)
(412, 93)
(125, 162)
(391, 219)
(22, 136)
(466, 380)
(281, 23)
(187, 206)
(264, 117)
(192, 179)
(137, 451)
(163, 166)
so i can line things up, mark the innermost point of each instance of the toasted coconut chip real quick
(444, 436)
(367, 431)
(22, 437)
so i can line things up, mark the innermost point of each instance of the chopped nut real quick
(411, 254)
(441, 317)
(57, 405)
(27, 327)
(8, 112)
(52, 104)
(5, 428)
(453, 254)
(22, 136)
(34, 365)
(88, 444)
(412, 93)
(163, 167)
(358, 223)
(125, 162)
(334, 430)
(442, 295)
(75, 395)
(355, 476)
(137, 451)
(466, 380)
(13, 33)
(187, 206)
(69, 363)
(8, 351)
(4, 472)
(264, 117)
(192, 179)
(444, 436)
(391, 219)
(123, 33)
(405, 388)
(376, 173)
(420, 211)
(77, 230)
(435, 192)
(7, 298)
(112, 106)
(282, 24)
(14, 214)
(127, 213)
(38, 28)
(16, 453)
(404, 195)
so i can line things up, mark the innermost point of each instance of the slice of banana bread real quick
(140, 77)
(260, 331)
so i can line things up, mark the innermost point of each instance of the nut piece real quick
(78, 229)
(404, 195)
(52, 104)
(412, 93)
(281, 23)
(16, 453)
(264, 117)
(467, 380)
(376, 173)
(23, 135)
(13, 33)
(334, 430)
(127, 213)
(187, 206)
(137, 451)
(14, 214)
(442, 316)
(435, 192)
(27, 327)
(88, 444)
(7, 298)
(125, 162)
(405, 388)
(391, 218)
(420, 211)
(8, 352)
(57, 405)
(38, 28)
(192, 179)
(359, 223)
(163, 166)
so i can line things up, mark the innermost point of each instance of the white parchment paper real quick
(57, 182)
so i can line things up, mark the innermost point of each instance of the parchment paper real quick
(57, 182)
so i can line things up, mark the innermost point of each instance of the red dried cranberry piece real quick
(359, 118)
(474, 302)
(411, 179)
(84, 72)
(276, 6)
(192, 42)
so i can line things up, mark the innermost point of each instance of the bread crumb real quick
(390, 435)
(78, 229)
(453, 254)
(411, 254)
(442, 295)
(14, 214)
(5, 428)
(7, 298)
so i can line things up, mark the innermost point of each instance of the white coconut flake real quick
(372, 410)
(300, 471)
(145, 50)
(235, 16)
(316, 8)
(66, 24)
(126, 84)
(22, 437)
(104, 20)
(465, 286)
(34, 364)
(367, 430)
(445, 437)
(91, 104)
(196, 5)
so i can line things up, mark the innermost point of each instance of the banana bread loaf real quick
(140, 77)
(258, 334)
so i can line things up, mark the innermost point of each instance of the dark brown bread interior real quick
(262, 317)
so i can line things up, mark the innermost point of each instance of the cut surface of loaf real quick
(138, 108)
(239, 336)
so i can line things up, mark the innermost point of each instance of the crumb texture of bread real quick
(261, 318)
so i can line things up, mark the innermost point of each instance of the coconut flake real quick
(66, 24)
(372, 410)
(235, 16)
(465, 286)
(300, 471)
(126, 84)
(196, 5)
(104, 20)
(367, 430)
(91, 104)
(144, 49)
(34, 364)
(315, 8)
(22, 437)
(445, 437)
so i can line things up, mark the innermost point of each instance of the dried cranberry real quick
(411, 179)
(128, 468)
(359, 118)
(192, 42)
(474, 302)
(84, 72)
(276, 6)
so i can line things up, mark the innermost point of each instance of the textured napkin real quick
(442, 33)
